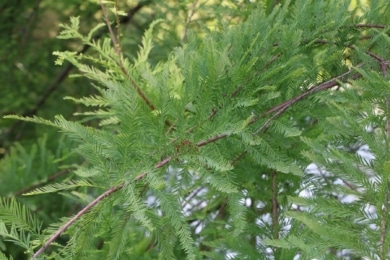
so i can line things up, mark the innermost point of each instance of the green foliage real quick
(202, 154)
(18, 224)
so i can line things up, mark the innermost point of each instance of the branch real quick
(76, 217)
(90, 205)
(189, 20)
(211, 140)
(382, 62)
(111, 32)
(323, 86)
(120, 63)
(379, 26)
(279, 109)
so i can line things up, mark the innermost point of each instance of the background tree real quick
(197, 147)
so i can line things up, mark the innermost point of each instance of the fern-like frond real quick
(50, 188)
(94, 101)
(171, 208)
(12, 213)
(34, 119)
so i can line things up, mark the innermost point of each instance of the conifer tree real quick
(204, 154)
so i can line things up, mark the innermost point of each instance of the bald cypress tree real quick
(204, 154)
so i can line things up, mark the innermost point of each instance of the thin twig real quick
(384, 64)
(120, 62)
(211, 140)
(379, 26)
(122, 67)
(323, 86)
(163, 162)
(189, 20)
(281, 108)
(111, 32)
(265, 126)
(349, 185)
(139, 91)
(118, 26)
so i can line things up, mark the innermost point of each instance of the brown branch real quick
(139, 91)
(281, 108)
(323, 86)
(211, 140)
(163, 162)
(118, 26)
(76, 217)
(265, 126)
(379, 26)
(111, 32)
(349, 185)
(384, 64)
(90, 205)
(120, 63)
